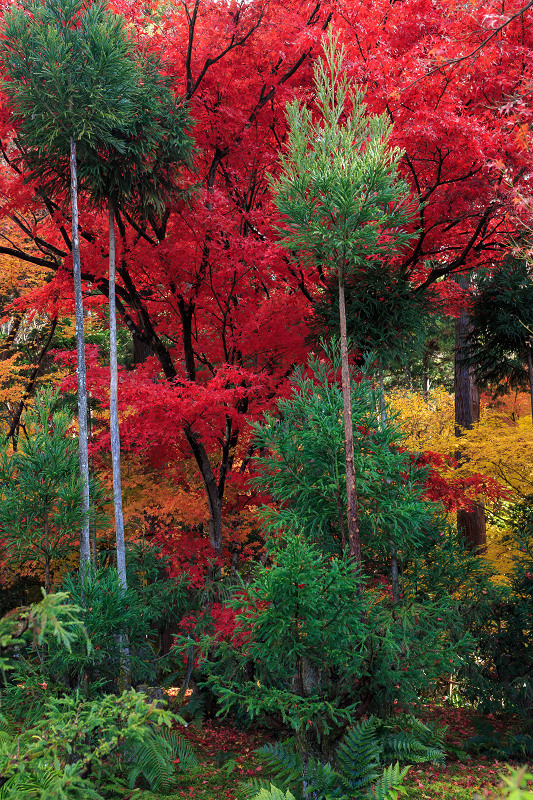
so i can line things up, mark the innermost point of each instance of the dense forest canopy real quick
(297, 236)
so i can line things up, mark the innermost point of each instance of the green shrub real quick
(366, 764)
(80, 748)
(499, 676)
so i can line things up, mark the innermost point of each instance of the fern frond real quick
(4, 724)
(47, 783)
(250, 790)
(154, 759)
(282, 762)
(416, 745)
(386, 788)
(428, 733)
(323, 781)
(273, 794)
(359, 755)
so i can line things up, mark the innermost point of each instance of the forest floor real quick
(227, 761)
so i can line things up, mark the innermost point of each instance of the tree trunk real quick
(382, 406)
(47, 581)
(85, 546)
(395, 575)
(211, 487)
(113, 408)
(530, 373)
(470, 524)
(425, 375)
(141, 351)
(351, 489)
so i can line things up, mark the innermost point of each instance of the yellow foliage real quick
(499, 446)
(426, 425)
(167, 496)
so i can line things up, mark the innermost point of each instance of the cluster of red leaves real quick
(219, 617)
(455, 493)
(224, 310)
(186, 553)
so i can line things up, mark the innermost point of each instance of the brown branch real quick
(191, 88)
(452, 61)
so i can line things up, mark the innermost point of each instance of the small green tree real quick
(304, 470)
(342, 204)
(68, 77)
(318, 643)
(40, 491)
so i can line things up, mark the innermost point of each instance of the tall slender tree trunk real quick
(395, 573)
(47, 577)
(382, 406)
(351, 488)
(425, 375)
(530, 373)
(85, 545)
(122, 636)
(113, 407)
(470, 524)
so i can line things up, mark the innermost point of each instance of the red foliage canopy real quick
(206, 289)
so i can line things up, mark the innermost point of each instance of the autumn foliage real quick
(219, 315)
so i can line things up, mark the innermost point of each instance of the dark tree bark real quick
(470, 524)
(530, 373)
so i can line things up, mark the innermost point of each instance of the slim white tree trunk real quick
(85, 545)
(113, 407)
(122, 636)
(354, 541)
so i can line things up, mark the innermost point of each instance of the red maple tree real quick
(218, 313)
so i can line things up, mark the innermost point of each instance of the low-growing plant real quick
(365, 765)
(88, 748)
(81, 748)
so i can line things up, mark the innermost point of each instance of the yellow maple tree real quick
(500, 446)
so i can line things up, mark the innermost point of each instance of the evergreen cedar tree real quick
(342, 207)
(66, 83)
(205, 288)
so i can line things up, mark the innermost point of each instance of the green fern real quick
(49, 783)
(154, 760)
(368, 762)
(415, 742)
(358, 757)
(282, 762)
(273, 794)
(251, 790)
(389, 784)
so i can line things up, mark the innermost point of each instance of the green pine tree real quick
(40, 492)
(68, 77)
(342, 203)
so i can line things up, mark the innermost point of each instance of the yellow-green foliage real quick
(499, 446)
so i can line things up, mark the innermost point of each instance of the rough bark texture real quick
(113, 408)
(470, 524)
(351, 489)
(530, 374)
(382, 406)
(85, 546)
